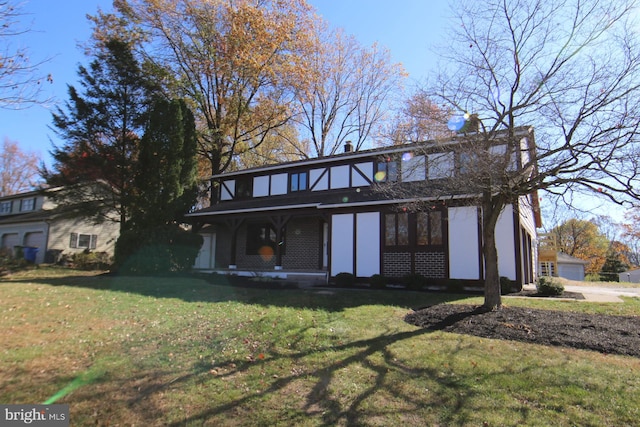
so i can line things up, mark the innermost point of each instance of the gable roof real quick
(568, 259)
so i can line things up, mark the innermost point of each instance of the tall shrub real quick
(159, 250)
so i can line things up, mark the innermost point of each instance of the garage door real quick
(571, 271)
(10, 240)
(35, 240)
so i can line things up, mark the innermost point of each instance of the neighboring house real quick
(324, 216)
(32, 220)
(631, 276)
(571, 268)
(554, 263)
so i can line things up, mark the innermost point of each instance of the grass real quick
(181, 351)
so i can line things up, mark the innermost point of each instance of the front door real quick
(207, 255)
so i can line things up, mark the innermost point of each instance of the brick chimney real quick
(348, 147)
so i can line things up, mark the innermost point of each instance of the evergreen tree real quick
(166, 174)
(101, 128)
(612, 266)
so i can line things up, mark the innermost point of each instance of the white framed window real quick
(86, 241)
(27, 204)
(5, 207)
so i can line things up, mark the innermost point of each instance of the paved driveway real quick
(625, 292)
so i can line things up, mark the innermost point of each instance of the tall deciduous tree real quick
(235, 61)
(348, 93)
(18, 169)
(571, 69)
(418, 119)
(101, 128)
(631, 236)
(582, 239)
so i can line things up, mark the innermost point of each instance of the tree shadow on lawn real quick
(190, 288)
(311, 391)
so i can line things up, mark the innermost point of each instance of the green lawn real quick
(180, 351)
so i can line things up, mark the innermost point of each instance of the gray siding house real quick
(32, 220)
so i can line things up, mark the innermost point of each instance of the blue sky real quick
(408, 28)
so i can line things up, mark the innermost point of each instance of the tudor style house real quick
(324, 216)
(33, 220)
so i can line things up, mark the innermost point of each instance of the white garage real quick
(571, 268)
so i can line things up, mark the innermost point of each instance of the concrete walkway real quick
(594, 293)
(600, 294)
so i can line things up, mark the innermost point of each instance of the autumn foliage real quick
(18, 169)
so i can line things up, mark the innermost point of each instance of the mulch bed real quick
(605, 334)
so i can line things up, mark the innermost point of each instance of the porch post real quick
(234, 226)
(279, 223)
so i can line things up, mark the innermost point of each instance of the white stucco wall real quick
(342, 244)
(505, 243)
(279, 183)
(261, 186)
(362, 174)
(367, 244)
(339, 177)
(463, 243)
(319, 179)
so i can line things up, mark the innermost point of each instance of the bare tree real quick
(631, 236)
(348, 93)
(571, 69)
(18, 169)
(20, 84)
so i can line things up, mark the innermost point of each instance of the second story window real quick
(27, 204)
(386, 171)
(244, 188)
(5, 207)
(299, 181)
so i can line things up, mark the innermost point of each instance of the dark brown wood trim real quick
(480, 244)
(517, 242)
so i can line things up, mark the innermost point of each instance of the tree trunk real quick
(492, 293)
(214, 159)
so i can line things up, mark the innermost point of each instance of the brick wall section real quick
(250, 261)
(396, 264)
(428, 264)
(302, 251)
(303, 237)
(431, 264)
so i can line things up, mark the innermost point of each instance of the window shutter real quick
(94, 241)
(73, 243)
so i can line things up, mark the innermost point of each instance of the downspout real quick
(46, 240)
